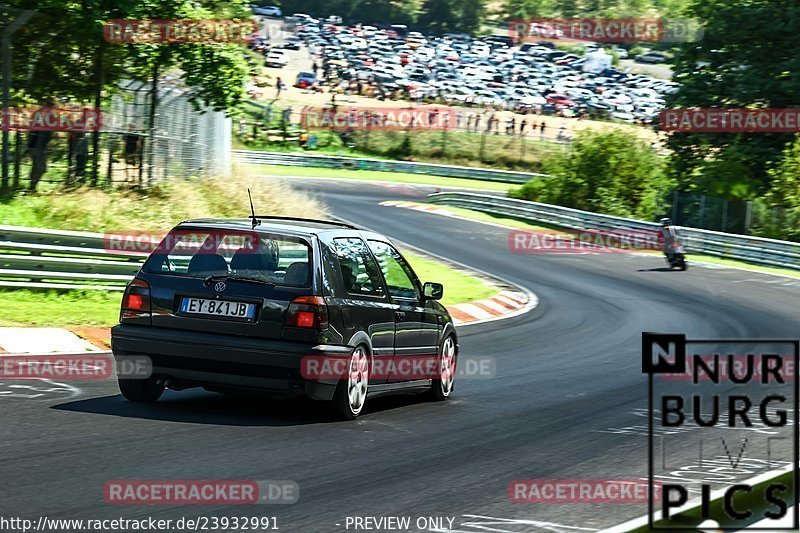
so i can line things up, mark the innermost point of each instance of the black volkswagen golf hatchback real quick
(288, 307)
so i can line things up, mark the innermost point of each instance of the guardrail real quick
(769, 252)
(45, 258)
(385, 165)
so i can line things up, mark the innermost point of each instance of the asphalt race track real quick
(567, 401)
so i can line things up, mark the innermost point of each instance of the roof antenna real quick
(256, 222)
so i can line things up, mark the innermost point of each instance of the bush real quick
(612, 172)
(778, 214)
(158, 208)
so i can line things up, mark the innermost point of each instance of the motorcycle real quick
(677, 259)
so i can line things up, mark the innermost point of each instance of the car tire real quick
(142, 390)
(351, 391)
(442, 387)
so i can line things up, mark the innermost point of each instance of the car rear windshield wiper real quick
(210, 279)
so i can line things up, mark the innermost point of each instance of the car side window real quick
(398, 275)
(360, 274)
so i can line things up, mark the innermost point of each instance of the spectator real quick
(542, 126)
(37, 145)
(37, 149)
(81, 148)
(279, 86)
(432, 115)
(511, 125)
(133, 146)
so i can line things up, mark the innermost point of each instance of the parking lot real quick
(391, 63)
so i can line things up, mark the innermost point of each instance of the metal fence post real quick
(748, 216)
(702, 210)
(724, 224)
(675, 200)
(17, 157)
(23, 17)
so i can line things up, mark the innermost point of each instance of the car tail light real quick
(136, 300)
(307, 312)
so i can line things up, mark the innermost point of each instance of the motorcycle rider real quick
(669, 236)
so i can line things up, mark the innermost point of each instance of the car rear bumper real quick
(225, 361)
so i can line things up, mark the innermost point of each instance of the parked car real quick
(461, 68)
(267, 11)
(304, 79)
(292, 43)
(651, 57)
(276, 58)
(235, 305)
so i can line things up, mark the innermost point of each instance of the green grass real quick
(741, 264)
(446, 148)
(57, 308)
(376, 175)
(60, 308)
(459, 286)
(158, 208)
(485, 217)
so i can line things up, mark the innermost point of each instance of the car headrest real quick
(248, 259)
(296, 274)
(208, 264)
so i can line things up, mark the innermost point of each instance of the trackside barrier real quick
(757, 250)
(45, 258)
(352, 163)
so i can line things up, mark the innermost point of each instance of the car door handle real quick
(400, 315)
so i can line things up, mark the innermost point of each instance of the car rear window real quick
(279, 259)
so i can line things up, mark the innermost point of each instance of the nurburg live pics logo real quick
(753, 402)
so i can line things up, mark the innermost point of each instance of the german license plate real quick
(225, 308)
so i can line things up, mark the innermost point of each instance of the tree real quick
(784, 196)
(62, 53)
(613, 172)
(438, 16)
(471, 15)
(524, 9)
(746, 59)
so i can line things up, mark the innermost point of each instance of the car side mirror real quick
(432, 291)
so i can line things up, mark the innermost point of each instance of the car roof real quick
(294, 227)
